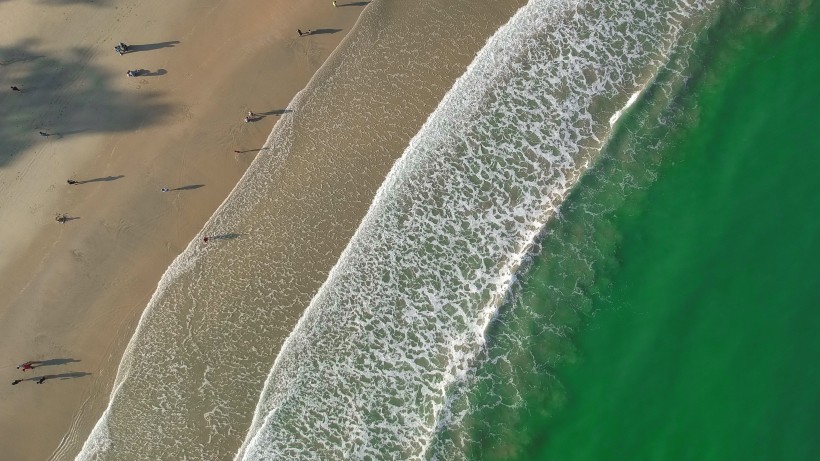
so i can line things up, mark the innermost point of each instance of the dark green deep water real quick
(673, 311)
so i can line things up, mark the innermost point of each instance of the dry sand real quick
(72, 292)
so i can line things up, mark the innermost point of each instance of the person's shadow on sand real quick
(230, 236)
(353, 4)
(147, 73)
(324, 31)
(44, 378)
(152, 46)
(51, 362)
(107, 178)
(276, 112)
(189, 187)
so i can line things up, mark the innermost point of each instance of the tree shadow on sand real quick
(65, 95)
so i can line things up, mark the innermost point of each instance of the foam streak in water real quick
(368, 371)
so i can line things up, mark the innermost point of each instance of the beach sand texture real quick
(72, 293)
(75, 291)
(193, 373)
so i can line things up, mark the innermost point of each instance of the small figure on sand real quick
(72, 182)
(133, 73)
(165, 189)
(40, 381)
(14, 88)
(309, 31)
(61, 218)
(205, 239)
(26, 366)
(16, 382)
(334, 3)
(43, 133)
(247, 119)
(122, 48)
(251, 114)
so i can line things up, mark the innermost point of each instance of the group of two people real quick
(122, 48)
(27, 366)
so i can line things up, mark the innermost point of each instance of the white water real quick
(368, 371)
(195, 367)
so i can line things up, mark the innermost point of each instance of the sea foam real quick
(368, 372)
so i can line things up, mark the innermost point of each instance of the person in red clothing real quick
(25, 366)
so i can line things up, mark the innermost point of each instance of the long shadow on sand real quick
(353, 4)
(189, 187)
(74, 2)
(231, 236)
(276, 112)
(151, 46)
(324, 31)
(68, 375)
(106, 179)
(148, 73)
(64, 95)
(52, 362)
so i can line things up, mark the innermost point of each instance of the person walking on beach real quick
(16, 381)
(40, 381)
(165, 189)
(71, 182)
(25, 366)
(334, 3)
(43, 133)
(14, 88)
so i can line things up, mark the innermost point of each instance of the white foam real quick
(632, 99)
(368, 371)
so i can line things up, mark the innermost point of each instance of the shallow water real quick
(593, 246)
(193, 372)
(378, 366)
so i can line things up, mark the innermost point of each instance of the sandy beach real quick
(72, 292)
(391, 236)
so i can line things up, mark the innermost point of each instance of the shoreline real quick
(290, 218)
(75, 291)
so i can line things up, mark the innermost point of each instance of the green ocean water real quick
(673, 312)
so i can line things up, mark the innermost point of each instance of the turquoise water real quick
(672, 313)
(536, 278)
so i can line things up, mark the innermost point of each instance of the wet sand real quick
(75, 291)
(72, 292)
